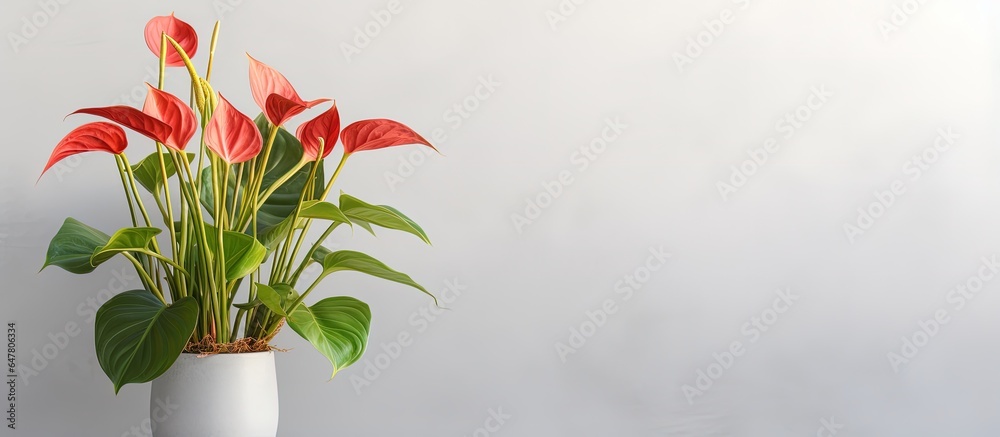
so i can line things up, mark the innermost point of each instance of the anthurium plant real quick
(222, 273)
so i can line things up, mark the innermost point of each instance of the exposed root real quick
(208, 346)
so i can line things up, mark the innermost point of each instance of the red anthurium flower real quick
(232, 135)
(378, 134)
(325, 126)
(133, 119)
(180, 31)
(173, 111)
(91, 137)
(275, 95)
(279, 109)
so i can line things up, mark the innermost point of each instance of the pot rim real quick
(228, 354)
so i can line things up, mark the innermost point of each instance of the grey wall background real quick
(825, 359)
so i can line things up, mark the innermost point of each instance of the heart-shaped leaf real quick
(243, 253)
(138, 337)
(337, 327)
(349, 260)
(125, 240)
(363, 213)
(72, 247)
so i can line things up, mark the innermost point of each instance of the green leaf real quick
(72, 247)
(408, 221)
(125, 240)
(364, 213)
(349, 260)
(272, 299)
(138, 337)
(286, 295)
(271, 236)
(147, 172)
(337, 327)
(286, 153)
(315, 209)
(243, 252)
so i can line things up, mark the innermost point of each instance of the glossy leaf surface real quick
(138, 337)
(337, 327)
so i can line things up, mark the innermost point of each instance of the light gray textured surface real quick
(655, 185)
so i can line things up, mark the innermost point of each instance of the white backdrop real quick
(685, 218)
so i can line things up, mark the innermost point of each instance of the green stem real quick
(285, 263)
(302, 297)
(236, 193)
(194, 204)
(287, 270)
(251, 296)
(135, 193)
(221, 216)
(305, 261)
(194, 201)
(128, 196)
(201, 163)
(185, 235)
(166, 261)
(159, 206)
(142, 272)
(206, 312)
(281, 181)
(147, 262)
(253, 196)
(329, 185)
(236, 324)
(220, 257)
(166, 198)
(326, 191)
(178, 288)
(254, 204)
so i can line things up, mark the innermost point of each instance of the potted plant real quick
(221, 274)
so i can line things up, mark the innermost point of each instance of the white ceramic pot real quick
(225, 395)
